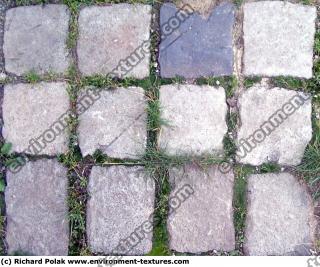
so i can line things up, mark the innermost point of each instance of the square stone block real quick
(201, 214)
(280, 216)
(37, 210)
(120, 210)
(35, 39)
(193, 46)
(115, 40)
(35, 117)
(116, 122)
(195, 117)
(275, 126)
(278, 38)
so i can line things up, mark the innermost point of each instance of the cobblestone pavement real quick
(108, 110)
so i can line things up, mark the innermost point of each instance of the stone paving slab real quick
(204, 220)
(198, 46)
(280, 218)
(108, 35)
(120, 210)
(275, 126)
(116, 124)
(36, 209)
(31, 114)
(278, 39)
(35, 39)
(196, 118)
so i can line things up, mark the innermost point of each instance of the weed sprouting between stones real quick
(248, 82)
(239, 203)
(229, 83)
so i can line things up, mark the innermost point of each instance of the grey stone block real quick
(193, 46)
(36, 125)
(120, 210)
(196, 119)
(280, 218)
(116, 123)
(203, 220)
(36, 209)
(35, 39)
(275, 126)
(278, 38)
(109, 37)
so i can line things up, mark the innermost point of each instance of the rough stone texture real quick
(36, 116)
(280, 217)
(204, 220)
(199, 46)
(35, 39)
(121, 201)
(37, 211)
(115, 124)
(196, 118)
(280, 134)
(110, 34)
(204, 7)
(278, 38)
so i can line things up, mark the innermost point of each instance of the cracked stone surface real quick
(198, 46)
(116, 124)
(278, 39)
(34, 125)
(35, 39)
(280, 218)
(275, 126)
(195, 117)
(37, 210)
(120, 210)
(109, 35)
(203, 220)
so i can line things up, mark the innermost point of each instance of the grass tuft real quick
(229, 146)
(155, 121)
(248, 82)
(238, 3)
(77, 198)
(229, 83)
(310, 166)
(240, 203)
(270, 167)
(32, 77)
(160, 239)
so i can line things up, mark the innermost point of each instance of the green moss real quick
(32, 77)
(229, 146)
(238, 3)
(240, 203)
(229, 83)
(270, 167)
(248, 82)
(160, 239)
